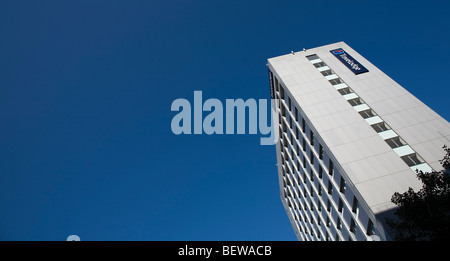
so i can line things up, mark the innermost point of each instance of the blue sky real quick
(86, 89)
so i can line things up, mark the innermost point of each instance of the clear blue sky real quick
(85, 93)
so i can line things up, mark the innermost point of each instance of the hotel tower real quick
(349, 138)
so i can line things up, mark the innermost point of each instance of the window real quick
(336, 81)
(345, 91)
(380, 127)
(352, 226)
(327, 72)
(367, 113)
(281, 92)
(328, 205)
(330, 167)
(320, 151)
(312, 57)
(412, 159)
(276, 84)
(337, 237)
(330, 187)
(319, 191)
(370, 228)
(304, 144)
(342, 185)
(340, 205)
(395, 142)
(311, 157)
(289, 103)
(303, 125)
(296, 114)
(320, 172)
(283, 111)
(328, 221)
(338, 224)
(355, 101)
(311, 138)
(355, 205)
(319, 64)
(311, 175)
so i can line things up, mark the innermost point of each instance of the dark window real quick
(370, 228)
(327, 72)
(355, 205)
(330, 167)
(320, 171)
(303, 125)
(304, 144)
(395, 142)
(320, 151)
(276, 83)
(330, 187)
(283, 111)
(352, 226)
(355, 101)
(340, 205)
(345, 91)
(319, 64)
(380, 127)
(312, 57)
(338, 224)
(296, 114)
(311, 138)
(311, 157)
(336, 81)
(367, 113)
(342, 185)
(411, 159)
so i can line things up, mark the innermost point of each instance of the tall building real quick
(350, 137)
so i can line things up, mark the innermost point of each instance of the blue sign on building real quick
(349, 61)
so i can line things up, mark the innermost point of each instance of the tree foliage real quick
(425, 214)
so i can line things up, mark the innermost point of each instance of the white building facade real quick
(350, 137)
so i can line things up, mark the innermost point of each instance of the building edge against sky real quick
(350, 137)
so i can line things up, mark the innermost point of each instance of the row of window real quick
(411, 159)
(287, 159)
(303, 197)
